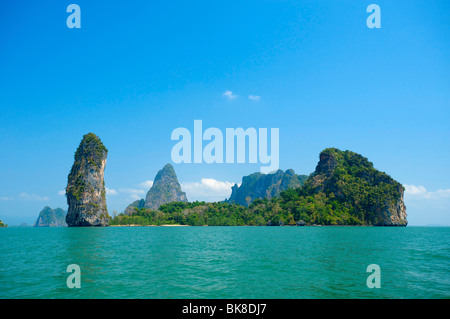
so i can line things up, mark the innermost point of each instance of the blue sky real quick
(137, 70)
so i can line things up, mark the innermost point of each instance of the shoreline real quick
(135, 225)
(170, 225)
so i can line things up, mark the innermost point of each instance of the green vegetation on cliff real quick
(92, 149)
(259, 186)
(90, 152)
(345, 189)
(193, 214)
(86, 192)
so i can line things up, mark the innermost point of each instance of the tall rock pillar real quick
(86, 186)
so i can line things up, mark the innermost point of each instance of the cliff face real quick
(165, 189)
(51, 218)
(393, 213)
(86, 187)
(349, 178)
(259, 185)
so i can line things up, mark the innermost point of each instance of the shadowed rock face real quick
(165, 189)
(51, 218)
(259, 185)
(393, 213)
(86, 195)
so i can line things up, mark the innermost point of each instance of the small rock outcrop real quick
(49, 217)
(301, 223)
(258, 185)
(86, 194)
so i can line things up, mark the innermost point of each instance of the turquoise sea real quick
(225, 262)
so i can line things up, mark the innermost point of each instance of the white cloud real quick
(62, 192)
(110, 191)
(131, 191)
(146, 184)
(254, 97)
(413, 190)
(207, 189)
(5, 198)
(229, 95)
(33, 197)
(128, 195)
(442, 193)
(216, 185)
(420, 191)
(426, 207)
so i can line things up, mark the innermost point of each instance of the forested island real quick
(49, 217)
(345, 189)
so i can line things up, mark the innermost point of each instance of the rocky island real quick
(86, 194)
(49, 217)
(352, 190)
(344, 189)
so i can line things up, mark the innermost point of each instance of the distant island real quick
(49, 217)
(2, 224)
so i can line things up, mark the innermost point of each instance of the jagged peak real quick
(166, 171)
(258, 185)
(165, 189)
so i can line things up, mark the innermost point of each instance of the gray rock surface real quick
(258, 185)
(165, 189)
(49, 217)
(86, 195)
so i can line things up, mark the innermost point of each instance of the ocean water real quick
(225, 262)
